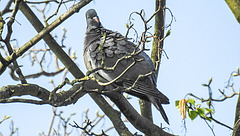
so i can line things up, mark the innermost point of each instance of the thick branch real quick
(146, 109)
(23, 89)
(113, 115)
(73, 94)
(234, 5)
(159, 33)
(138, 121)
(60, 99)
(236, 129)
(156, 49)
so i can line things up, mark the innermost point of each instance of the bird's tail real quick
(156, 102)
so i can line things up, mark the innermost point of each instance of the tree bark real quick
(234, 5)
(145, 106)
(159, 33)
(138, 121)
(236, 129)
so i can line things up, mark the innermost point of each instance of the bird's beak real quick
(96, 19)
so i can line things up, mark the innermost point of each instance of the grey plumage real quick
(105, 48)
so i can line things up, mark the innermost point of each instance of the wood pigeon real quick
(113, 58)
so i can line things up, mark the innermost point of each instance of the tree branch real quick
(138, 121)
(35, 75)
(8, 38)
(60, 99)
(42, 33)
(212, 99)
(236, 128)
(159, 33)
(234, 5)
(73, 94)
(156, 49)
(7, 8)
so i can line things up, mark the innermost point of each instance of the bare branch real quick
(88, 132)
(4, 118)
(60, 99)
(54, 46)
(46, 1)
(220, 123)
(216, 100)
(210, 127)
(43, 32)
(55, 13)
(13, 129)
(7, 41)
(53, 118)
(7, 8)
(138, 121)
(36, 75)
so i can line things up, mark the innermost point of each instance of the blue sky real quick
(204, 43)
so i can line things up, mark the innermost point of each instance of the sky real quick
(204, 43)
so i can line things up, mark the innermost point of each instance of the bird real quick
(112, 58)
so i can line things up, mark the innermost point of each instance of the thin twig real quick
(209, 127)
(216, 100)
(52, 121)
(7, 41)
(55, 13)
(7, 8)
(218, 122)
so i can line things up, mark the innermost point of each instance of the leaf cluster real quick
(192, 109)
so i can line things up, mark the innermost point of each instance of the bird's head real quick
(92, 19)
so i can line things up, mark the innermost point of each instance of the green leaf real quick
(127, 26)
(191, 101)
(210, 81)
(168, 33)
(177, 103)
(209, 110)
(204, 85)
(200, 111)
(192, 114)
(207, 118)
